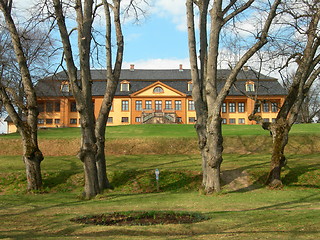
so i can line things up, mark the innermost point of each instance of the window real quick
(250, 87)
(49, 121)
(274, 107)
(73, 107)
(148, 104)
(73, 121)
(57, 106)
(138, 105)
(266, 107)
(177, 105)
(190, 86)
(125, 105)
(259, 108)
(191, 105)
(138, 119)
(273, 120)
(158, 105)
(192, 119)
(110, 120)
(224, 107)
(179, 120)
(168, 104)
(57, 121)
(65, 87)
(40, 121)
(125, 87)
(49, 106)
(224, 121)
(124, 119)
(232, 120)
(241, 121)
(232, 107)
(41, 107)
(241, 107)
(266, 120)
(158, 90)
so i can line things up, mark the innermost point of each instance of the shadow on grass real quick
(60, 177)
(240, 180)
(292, 178)
(144, 181)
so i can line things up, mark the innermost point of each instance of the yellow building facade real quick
(155, 96)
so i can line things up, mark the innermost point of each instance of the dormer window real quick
(158, 90)
(125, 86)
(250, 86)
(64, 87)
(190, 86)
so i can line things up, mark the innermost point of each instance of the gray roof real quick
(141, 78)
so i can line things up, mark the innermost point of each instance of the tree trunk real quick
(32, 158)
(101, 164)
(87, 155)
(214, 150)
(91, 187)
(202, 142)
(280, 131)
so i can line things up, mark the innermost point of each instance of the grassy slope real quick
(250, 212)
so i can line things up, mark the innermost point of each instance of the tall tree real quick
(81, 88)
(92, 150)
(26, 122)
(113, 75)
(207, 97)
(303, 19)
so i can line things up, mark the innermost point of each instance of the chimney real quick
(180, 68)
(132, 67)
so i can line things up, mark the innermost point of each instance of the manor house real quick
(156, 96)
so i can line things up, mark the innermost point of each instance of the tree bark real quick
(32, 158)
(280, 130)
(214, 154)
(87, 155)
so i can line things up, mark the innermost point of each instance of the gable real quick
(154, 90)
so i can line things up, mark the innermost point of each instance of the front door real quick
(158, 105)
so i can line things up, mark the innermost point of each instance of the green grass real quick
(252, 212)
(245, 209)
(167, 131)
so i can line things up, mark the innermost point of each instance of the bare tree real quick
(302, 18)
(92, 152)
(207, 97)
(81, 88)
(113, 75)
(27, 123)
(310, 106)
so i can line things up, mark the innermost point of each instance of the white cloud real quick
(175, 10)
(159, 63)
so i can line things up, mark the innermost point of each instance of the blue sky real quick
(159, 41)
(154, 40)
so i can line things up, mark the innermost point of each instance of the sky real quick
(160, 40)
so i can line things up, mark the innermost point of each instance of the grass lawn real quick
(245, 212)
(168, 131)
(245, 209)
